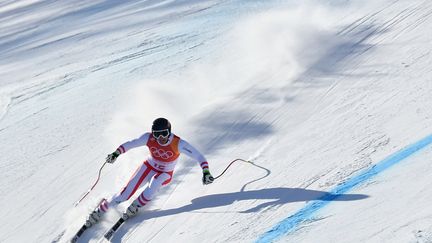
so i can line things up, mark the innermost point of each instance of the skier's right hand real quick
(111, 158)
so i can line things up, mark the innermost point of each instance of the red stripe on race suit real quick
(104, 205)
(143, 176)
(167, 181)
(122, 149)
(142, 200)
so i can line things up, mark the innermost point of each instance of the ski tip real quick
(79, 233)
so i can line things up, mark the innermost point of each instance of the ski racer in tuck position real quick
(165, 148)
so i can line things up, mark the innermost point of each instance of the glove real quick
(111, 158)
(207, 177)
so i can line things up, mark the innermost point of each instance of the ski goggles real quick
(158, 133)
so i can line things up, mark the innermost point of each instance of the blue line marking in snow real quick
(290, 224)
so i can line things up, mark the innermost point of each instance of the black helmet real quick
(161, 126)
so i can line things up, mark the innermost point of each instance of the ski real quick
(113, 229)
(79, 233)
(84, 227)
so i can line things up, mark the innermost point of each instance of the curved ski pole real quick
(94, 185)
(232, 162)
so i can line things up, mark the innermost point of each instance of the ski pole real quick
(85, 195)
(232, 162)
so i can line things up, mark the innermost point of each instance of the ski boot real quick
(96, 215)
(93, 218)
(131, 211)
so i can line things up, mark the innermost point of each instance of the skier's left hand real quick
(207, 177)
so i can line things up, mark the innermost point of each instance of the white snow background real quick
(315, 93)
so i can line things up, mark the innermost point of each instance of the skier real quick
(165, 148)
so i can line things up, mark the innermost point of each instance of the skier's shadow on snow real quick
(279, 196)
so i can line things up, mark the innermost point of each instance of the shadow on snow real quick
(278, 196)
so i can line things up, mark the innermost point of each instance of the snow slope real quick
(314, 93)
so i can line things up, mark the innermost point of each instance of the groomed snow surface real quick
(331, 100)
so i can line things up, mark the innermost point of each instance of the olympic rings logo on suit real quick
(160, 153)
